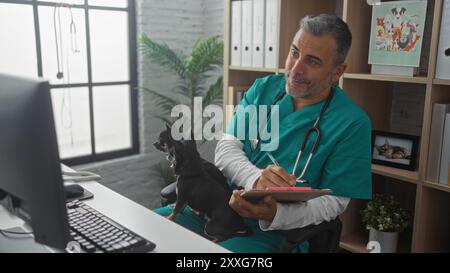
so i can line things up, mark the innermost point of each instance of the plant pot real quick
(388, 240)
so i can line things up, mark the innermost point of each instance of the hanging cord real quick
(59, 46)
(73, 34)
(66, 104)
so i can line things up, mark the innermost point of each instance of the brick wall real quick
(179, 23)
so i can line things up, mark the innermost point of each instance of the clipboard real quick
(285, 194)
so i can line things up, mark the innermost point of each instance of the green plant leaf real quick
(385, 214)
(206, 54)
(215, 93)
(165, 119)
(163, 102)
(163, 55)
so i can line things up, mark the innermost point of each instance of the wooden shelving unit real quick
(387, 78)
(441, 82)
(428, 201)
(404, 175)
(437, 186)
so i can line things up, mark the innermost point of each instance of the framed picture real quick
(397, 32)
(394, 150)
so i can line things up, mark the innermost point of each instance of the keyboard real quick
(97, 233)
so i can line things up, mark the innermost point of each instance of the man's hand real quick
(274, 176)
(264, 210)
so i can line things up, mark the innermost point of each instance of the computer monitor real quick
(30, 173)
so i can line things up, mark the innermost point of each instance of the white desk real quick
(168, 236)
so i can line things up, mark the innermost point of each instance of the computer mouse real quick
(73, 191)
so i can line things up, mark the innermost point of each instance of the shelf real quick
(441, 82)
(355, 242)
(437, 186)
(254, 69)
(400, 174)
(386, 78)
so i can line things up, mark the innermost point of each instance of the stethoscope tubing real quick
(312, 129)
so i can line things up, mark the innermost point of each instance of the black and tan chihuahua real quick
(203, 187)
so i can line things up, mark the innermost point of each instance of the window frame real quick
(132, 82)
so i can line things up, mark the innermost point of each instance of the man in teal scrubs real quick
(342, 161)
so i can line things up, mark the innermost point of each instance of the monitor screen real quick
(30, 173)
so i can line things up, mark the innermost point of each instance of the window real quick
(86, 49)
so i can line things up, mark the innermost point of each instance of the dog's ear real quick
(403, 10)
(393, 10)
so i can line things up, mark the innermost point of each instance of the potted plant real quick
(197, 77)
(385, 218)
(193, 71)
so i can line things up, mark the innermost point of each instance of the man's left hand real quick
(264, 210)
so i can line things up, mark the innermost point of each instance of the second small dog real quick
(203, 187)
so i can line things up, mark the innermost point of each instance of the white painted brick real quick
(178, 23)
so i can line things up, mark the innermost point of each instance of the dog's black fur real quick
(202, 186)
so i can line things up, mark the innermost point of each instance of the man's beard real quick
(310, 91)
(299, 80)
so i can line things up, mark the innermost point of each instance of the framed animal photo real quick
(394, 150)
(397, 32)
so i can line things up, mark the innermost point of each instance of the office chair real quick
(322, 238)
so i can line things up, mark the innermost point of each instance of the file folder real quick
(271, 46)
(443, 55)
(445, 155)
(436, 140)
(236, 33)
(247, 29)
(258, 33)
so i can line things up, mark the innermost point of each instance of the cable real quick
(80, 176)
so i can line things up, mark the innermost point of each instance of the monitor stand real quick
(20, 243)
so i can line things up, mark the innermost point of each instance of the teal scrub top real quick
(342, 161)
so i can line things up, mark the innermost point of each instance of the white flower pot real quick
(388, 240)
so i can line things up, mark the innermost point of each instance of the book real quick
(443, 54)
(271, 34)
(436, 140)
(445, 156)
(259, 7)
(238, 97)
(236, 33)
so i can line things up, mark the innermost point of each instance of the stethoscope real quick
(312, 129)
(58, 30)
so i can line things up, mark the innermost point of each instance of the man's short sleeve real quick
(347, 171)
